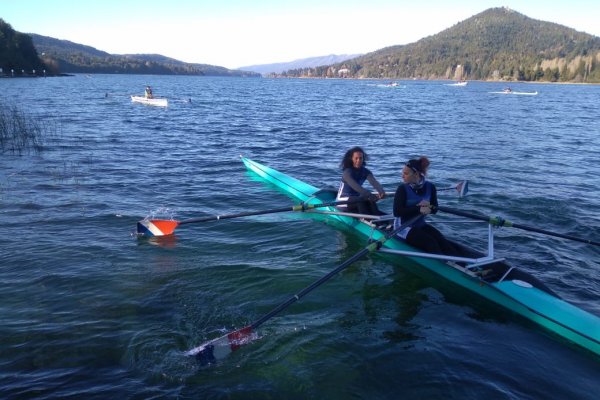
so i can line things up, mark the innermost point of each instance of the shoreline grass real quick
(21, 132)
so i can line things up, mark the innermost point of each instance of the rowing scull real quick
(489, 277)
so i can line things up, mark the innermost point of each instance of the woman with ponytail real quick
(419, 196)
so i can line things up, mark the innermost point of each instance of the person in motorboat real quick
(148, 93)
(507, 90)
(419, 196)
(354, 174)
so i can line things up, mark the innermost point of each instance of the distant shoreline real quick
(430, 80)
(314, 77)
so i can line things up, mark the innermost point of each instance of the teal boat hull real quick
(533, 302)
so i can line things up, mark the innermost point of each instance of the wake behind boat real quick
(460, 83)
(490, 277)
(391, 85)
(158, 102)
(516, 93)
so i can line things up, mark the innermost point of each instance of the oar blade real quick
(462, 188)
(156, 227)
(219, 348)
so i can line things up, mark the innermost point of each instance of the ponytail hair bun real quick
(419, 165)
(424, 161)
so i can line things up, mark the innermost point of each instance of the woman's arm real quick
(376, 185)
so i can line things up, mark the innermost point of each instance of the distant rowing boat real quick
(158, 102)
(490, 277)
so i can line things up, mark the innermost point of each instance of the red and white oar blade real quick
(219, 348)
(462, 188)
(156, 227)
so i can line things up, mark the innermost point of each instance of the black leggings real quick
(368, 207)
(430, 240)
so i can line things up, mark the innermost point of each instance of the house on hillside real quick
(343, 72)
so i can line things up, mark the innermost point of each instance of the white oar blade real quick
(219, 348)
(462, 188)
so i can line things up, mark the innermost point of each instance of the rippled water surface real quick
(90, 311)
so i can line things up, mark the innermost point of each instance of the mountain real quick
(497, 44)
(69, 57)
(17, 52)
(277, 68)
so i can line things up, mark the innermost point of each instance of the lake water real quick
(88, 310)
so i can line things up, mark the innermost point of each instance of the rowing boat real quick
(158, 102)
(485, 275)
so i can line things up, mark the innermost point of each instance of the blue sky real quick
(235, 33)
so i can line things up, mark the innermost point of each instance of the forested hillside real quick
(17, 52)
(71, 57)
(498, 43)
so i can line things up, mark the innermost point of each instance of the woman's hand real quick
(425, 207)
(377, 197)
(425, 210)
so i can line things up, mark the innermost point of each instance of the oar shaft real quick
(501, 222)
(549, 233)
(299, 207)
(310, 288)
(461, 188)
(368, 249)
(229, 216)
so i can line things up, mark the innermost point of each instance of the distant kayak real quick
(158, 102)
(519, 93)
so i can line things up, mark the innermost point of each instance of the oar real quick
(461, 187)
(219, 348)
(498, 221)
(162, 227)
